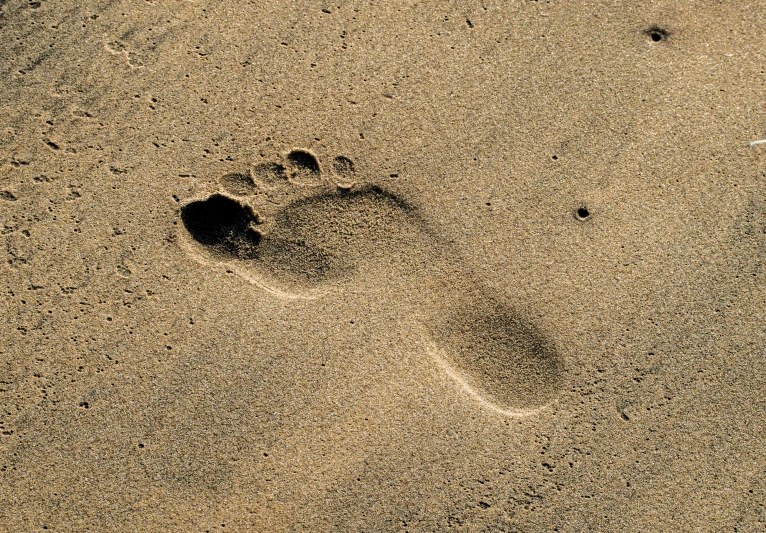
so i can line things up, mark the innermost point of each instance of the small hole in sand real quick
(582, 213)
(656, 34)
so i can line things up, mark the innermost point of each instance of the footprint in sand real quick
(298, 232)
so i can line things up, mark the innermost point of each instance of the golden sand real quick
(385, 266)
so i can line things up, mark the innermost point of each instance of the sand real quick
(403, 266)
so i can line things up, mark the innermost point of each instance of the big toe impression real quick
(223, 226)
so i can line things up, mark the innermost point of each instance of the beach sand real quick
(405, 266)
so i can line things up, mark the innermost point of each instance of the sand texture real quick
(481, 266)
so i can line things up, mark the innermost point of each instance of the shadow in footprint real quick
(224, 226)
(305, 167)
